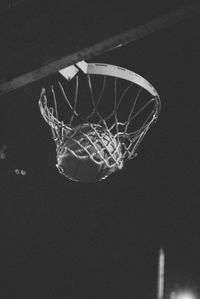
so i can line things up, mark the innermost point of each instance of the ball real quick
(88, 154)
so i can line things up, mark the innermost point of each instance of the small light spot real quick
(183, 295)
(2, 156)
(23, 172)
(17, 171)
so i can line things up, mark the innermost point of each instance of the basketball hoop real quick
(109, 111)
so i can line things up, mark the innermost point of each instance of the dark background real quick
(61, 239)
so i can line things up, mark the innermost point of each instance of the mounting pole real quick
(161, 273)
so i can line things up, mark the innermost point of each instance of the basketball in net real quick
(88, 154)
(99, 135)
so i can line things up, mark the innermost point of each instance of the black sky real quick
(61, 239)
